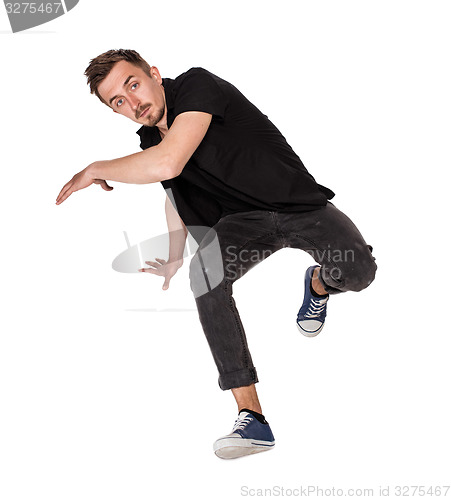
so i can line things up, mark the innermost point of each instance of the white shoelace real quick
(241, 422)
(316, 308)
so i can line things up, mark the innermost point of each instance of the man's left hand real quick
(163, 268)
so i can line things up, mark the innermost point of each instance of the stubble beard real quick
(153, 118)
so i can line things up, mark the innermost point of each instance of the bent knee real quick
(362, 276)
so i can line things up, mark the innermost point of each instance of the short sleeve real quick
(198, 91)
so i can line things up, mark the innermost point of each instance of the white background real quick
(108, 388)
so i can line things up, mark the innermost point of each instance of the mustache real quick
(140, 110)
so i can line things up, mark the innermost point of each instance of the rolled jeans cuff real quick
(240, 378)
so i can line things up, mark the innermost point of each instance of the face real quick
(129, 91)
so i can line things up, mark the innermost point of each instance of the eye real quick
(134, 86)
(119, 102)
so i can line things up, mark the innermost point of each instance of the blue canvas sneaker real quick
(248, 436)
(312, 314)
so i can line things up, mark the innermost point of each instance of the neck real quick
(162, 125)
(163, 129)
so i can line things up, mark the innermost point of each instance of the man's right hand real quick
(81, 181)
(163, 268)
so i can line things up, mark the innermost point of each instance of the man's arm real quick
(177, 239)
(177, 232)
(155, 164)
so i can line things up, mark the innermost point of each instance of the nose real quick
(134, 101)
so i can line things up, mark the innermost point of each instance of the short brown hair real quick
(100, 66)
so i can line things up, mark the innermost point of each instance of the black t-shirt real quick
(243, 163)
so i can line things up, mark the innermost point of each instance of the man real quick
(227, 168)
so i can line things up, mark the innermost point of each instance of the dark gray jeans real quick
(239, 242)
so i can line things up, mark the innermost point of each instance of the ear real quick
(114, 111)
(154, 73)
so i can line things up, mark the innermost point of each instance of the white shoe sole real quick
(309, 334)
(238, 447)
